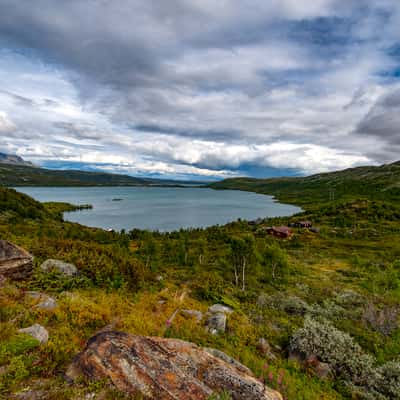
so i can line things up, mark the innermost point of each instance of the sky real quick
(201, 89)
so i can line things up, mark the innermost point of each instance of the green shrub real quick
(388, 381)
(337, 348)
(15, 346)
(221, 396)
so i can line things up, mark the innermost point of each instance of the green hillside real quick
(21, 175)
(334, 290)
(374, 183)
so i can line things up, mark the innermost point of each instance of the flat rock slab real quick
(164, 369)
(36, 331)
(220, 308)
(60, 266)
(15, 262)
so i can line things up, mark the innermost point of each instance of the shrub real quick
(328, 309)
(291, 304)
(337, 348)
(388, 381)
(15, 346)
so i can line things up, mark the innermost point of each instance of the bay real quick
(160, 208)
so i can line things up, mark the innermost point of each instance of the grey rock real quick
(193, 313)
(220, 308)
(15, 262)
(224, 357)
(323, 370)
(48, 304)
(36, 331)
(45, 302)
(60, 266)
(35, 295)
(263, 346)
(31, 395)
(216, 323)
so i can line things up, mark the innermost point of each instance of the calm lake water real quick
(163, 209)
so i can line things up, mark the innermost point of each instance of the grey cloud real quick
(248, 72)
(383, 119)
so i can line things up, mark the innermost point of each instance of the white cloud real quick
(199, 87)
(6, 125)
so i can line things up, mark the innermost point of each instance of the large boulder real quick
(60, 266)
(164, 369)
(15, 262)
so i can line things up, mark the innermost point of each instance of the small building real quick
(282, 232)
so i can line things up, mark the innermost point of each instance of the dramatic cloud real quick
(192, 88)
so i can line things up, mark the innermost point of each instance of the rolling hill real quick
(376, 183)
(13, 159)
(26, 175)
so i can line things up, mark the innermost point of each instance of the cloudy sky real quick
(201, 88)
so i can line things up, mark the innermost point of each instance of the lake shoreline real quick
(163, 209)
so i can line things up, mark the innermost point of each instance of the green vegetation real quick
(335, 293)
(26, 175)
(374, 183)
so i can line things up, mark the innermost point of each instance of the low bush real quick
(338, 349)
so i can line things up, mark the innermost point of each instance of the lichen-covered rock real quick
(220, 308)
(48, 304)
(15, 262)
(164, 369)
(224, 357)
(36, 331)
(263, 346)
(43, 301)
(216, 323)
(60, 266)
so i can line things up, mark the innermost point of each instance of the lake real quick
(163, 209)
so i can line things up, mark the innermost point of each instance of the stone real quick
(164, 369)
(224, 357)
(47, 304)
(217, 317)
(60, 266)
(31, 395)
(193, 313)
(263, 347)
(216, 323)
(15, 262)
(220, 308)
(36, 331)
(323, 370)
(319, 368)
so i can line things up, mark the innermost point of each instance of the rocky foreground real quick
(152, 367)
(165, 369)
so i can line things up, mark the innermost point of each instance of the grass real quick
(352, 262)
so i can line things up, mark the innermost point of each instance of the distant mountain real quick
(14, 174)
(370, 182)
(13, 159)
